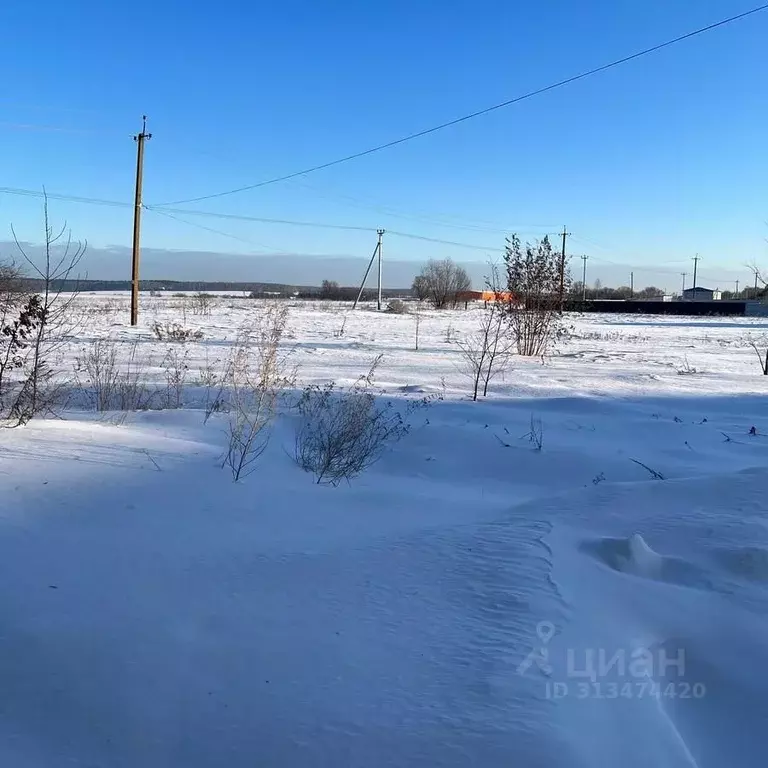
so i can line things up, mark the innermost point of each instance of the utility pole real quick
(584, 278)
(695, 267)
(139, 139)
(631, 285)
(380, 233)
(682, 293)
(562, 269)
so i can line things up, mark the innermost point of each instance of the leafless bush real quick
(485, 353)
(686, 369)
(175, 332)
(343, 432)
(535, 275)
(397, 307)
(256, 375)
(201, 303)
(110, 381)
(176, 369)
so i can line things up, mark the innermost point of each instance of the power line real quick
(443, 242)
(65, 198)
(479, 113)
(260, 219)
(197, 225)
(174, 213)
(436, 219)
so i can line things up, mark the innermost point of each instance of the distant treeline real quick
(328, 290)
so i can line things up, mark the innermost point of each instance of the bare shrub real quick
(686, 369)
(533, 309)
(110, 381)
(176, 369)
(201, 303)
(442, 282)
(397, 307)
(343, 432)
(486, 352)
(256, 374)
(175, 332)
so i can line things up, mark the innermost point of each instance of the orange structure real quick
(467, 296)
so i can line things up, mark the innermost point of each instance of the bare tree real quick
(420, 287)
(486, 352)
(56, 271)
(533, 307)
(442, 282)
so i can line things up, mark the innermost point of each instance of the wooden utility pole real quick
(139, 139)
(562, 269)
(584, 278)
(380, 233)
(368, 269)
(695, 267)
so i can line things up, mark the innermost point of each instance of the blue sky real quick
(647, 164)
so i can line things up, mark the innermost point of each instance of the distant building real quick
(485, 296)
(701, 294)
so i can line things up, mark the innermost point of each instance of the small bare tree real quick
(486, 352)
(442, 282)
(417, 317)
(533, 307)
(58, 289)
(256, 375)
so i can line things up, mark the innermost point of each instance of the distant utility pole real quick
(376, 252)
(562, 269)
(584, 278)
(139, 139)
(380, 233)
(696, 259)
(631, 285)
(682, 293)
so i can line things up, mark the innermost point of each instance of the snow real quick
(448, 607)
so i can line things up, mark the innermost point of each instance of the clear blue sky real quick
(647, 164)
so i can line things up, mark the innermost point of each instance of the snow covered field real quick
(469, 600)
